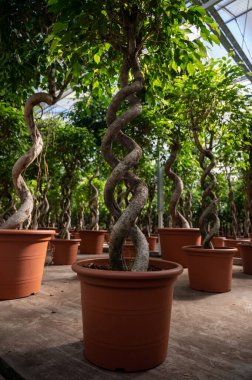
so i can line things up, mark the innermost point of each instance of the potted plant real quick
(209, 267)
(92, 238)
(173, 238)
(126, 313)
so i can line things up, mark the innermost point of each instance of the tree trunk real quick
(94, 204)
(188, 208)
(125, 224)
(234, 223)
(178, 220)
(209, 222)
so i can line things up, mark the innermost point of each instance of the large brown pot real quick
(65, 251)
(173, 239)
(91, 242)
(126, 315)
(245, 249)
(22, 258)
(210, 270)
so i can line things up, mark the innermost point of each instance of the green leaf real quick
(97, 58)
(190, 68)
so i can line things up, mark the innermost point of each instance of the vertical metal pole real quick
(160, 187)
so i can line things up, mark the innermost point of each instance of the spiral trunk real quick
(94, 205)
(125, 222)
(234, 223)
(65, 218)
(209, 222)
(177, 219)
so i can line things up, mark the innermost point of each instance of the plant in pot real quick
(173, 238)
(245, 248)
(210, 102)
(69, 154)
(23, 31)
(92, 238)
(130, 330)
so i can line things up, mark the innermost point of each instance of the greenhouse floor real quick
(210, 337)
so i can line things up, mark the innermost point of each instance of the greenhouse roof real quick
(234, 18)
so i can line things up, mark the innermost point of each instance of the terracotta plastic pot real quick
(126, 315)
(210, 270)
(91, 242)
(129, 250)
(65, 251)
(245, 249)
(22, 258)
(75, 234)
(218, 241)
(152, 240)
(173, 239)
(228, 242)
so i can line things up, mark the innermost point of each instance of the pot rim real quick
(66, 240)
(200, 249)
(26, 232)
(178, 229)
(175, 270)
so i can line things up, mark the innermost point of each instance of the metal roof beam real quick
(228, 40)
(210, 3)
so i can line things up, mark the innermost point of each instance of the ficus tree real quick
(210, 99)
(135, 34)
(23, 32)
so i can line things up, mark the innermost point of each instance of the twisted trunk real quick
(44, 207)
(94, 204)
(23, 214)
(188, 208)
(65, 218)
(149, 224)
(209, 222)
(177, 219)
(125, 223)
(234, 223)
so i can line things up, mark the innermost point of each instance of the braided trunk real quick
(177, 219)
(234, 223)
(209, 222)
(23, 214)
(65, 218)
(94, 204)
(188, 208)
(125, 225)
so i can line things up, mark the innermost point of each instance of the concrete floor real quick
(210, 337)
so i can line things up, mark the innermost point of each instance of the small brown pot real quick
(65, 251)
(210, 270)
(129, 250)
(126, 315)
(152, 240)
(218, 241)
(91, 242)
(22, 258)
(245, 249)
(173, 239)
